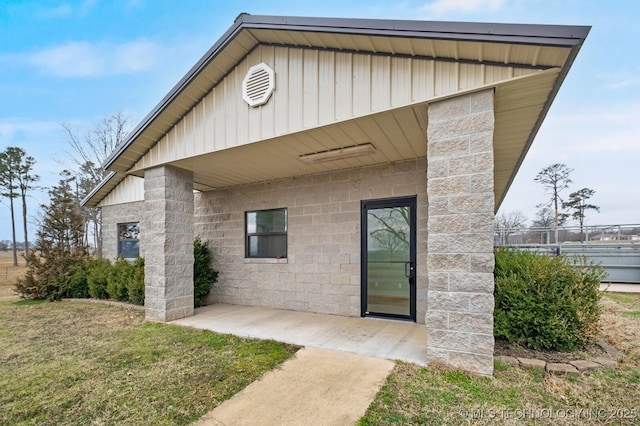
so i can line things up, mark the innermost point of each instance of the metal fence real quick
(614, 247)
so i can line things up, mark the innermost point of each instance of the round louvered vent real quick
(258, 85)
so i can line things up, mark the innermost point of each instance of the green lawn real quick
(69, 363)
(413, 395)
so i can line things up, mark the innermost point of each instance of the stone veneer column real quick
(167, 236)
(460, 256)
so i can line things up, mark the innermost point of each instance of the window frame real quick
(248, 235)
(121, 240)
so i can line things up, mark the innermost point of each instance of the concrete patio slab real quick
(378, 338)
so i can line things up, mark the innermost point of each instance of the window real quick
(266, 233)
(129, 240)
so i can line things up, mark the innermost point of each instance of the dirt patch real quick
(518, 351)
(619, 327)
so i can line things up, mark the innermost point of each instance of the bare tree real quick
(578, 205)
(508, 223)
(88, 157)
(544, 218)
(391, 230)
(555, 179)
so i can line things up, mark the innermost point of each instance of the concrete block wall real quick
(111, 217)
(460, 262)
(322, 270)
(166, 233)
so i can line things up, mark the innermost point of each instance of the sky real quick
(78, 62)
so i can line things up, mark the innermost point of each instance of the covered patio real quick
(378, 338)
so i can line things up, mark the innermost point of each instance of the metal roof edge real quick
(98, 187)
(556, 88)
(473, 30)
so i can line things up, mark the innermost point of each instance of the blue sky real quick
(80, 61)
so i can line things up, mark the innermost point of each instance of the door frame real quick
(365, 206)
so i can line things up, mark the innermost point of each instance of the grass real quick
(415, 395)
(65, 363)
(440, 396)
(69, 363)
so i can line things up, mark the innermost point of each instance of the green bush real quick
(76, 285)
(204, 276)
(49, 278)
(118, 277)
(135, 286)
(545, 303)
(97, 273)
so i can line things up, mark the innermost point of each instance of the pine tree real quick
(9, 186)
(60, 246)
(16, 179)
(579, 205)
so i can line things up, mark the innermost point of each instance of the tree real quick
(555, 179)
(87, 157)
(16, 179)
(9, 164)
(544, 218)
(60, 245)
(578, 205)
(390, 230)
(507, 223)
(25, 179)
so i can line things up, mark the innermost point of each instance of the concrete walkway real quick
(620, 288)
(315, 387)
(331, 381)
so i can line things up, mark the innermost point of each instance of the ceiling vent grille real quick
(258, 85)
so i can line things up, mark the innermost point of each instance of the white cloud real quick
(13, 131)
(65, 10)
(610, 129)
(83, 59)
(442, 7)
(62, 10)
(623, 83)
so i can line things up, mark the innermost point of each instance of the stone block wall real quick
(111, 217)
(167, 237)
(460, 257)
(322, 269)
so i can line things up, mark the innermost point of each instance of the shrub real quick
(48, 277)
(59, 246)
(204, 276)
(76, 285)
(118, 277)
(135, 286)
(545, 303)
(97, 272)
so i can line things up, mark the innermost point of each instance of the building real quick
(342, 166)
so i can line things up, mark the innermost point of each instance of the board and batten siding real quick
(130, 190)
(314, 88)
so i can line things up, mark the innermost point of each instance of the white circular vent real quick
(258, 85)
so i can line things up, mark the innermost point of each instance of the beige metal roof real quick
(538, 58)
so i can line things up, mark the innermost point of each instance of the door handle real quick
(409, 269)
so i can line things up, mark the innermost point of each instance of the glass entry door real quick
(389, 258)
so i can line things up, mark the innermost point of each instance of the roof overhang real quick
(521, 103)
